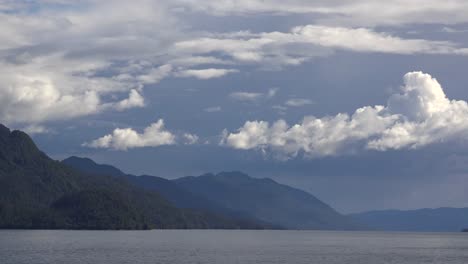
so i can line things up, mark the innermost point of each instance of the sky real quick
(362, 103)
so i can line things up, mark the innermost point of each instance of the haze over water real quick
(212, 247)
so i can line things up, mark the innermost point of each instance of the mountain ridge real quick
(268, 200)
(314, 215)
(442, 219)
(37, 192)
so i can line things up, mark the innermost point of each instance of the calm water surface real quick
(225, 247)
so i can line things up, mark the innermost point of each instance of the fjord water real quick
(213, 247)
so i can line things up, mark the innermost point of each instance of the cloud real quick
(281, 109)
(245, 96)
(418, 116)
(366, 40)
(276, 49)
(205, 74)
(297, 102)
(34, 129)
(359, 12)
(252, 97)
(27, 95)
(134, 100)
(154, 75)
(198, 60)
(67, 61)
(64, 59)
(453, 30)
(190, 139)
(213, 109)
(122, 139)
(272, 92)
(342, 12)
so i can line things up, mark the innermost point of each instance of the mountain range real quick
(237, 195)
(37, 192)
(421, 220)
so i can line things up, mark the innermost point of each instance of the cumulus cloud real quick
(64, 59)
(421, 114)
(205, 74)
(70, 61)
(29, 96)
(190, 139)
(126, 138)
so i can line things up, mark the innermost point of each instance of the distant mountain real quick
(236, 195)
(39, 193)
(427, 220)
(170, 190)
(267, 200)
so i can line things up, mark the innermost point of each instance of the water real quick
(225, 247)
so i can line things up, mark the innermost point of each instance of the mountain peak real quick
(266, 200)
(90, 166)
(233, 174)
(4, 131)
(79, 159)
(17, 147)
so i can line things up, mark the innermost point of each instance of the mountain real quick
(267, 200)
(39, 193)
(170, 190)
(424, 220)
(235, 195)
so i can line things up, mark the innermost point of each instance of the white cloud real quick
(64, 59)
(35, 129)
(366, 40)
(205, 74)
(297, 102)
(213, 109)
(61, 62)
(342, 12)
(272, 92)
(190, 139)
(358, 12)
(27, 95)
(276, 49)
(252, 97)
(122, 139)
(134, 100)
(280, 108)
(245, 96)
(418, 116)
(155, 75)
(198, 60)
(453, 30)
